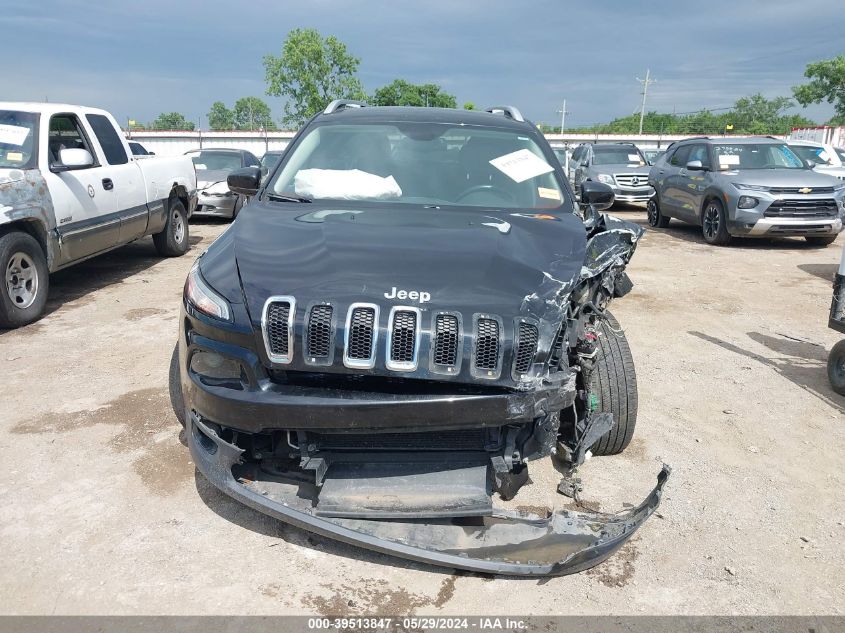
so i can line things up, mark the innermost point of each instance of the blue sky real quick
(141, 58)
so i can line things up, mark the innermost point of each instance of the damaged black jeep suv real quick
(410, 311)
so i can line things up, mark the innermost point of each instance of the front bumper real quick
(222, 206)
(774, 227)
(632, 195)
(506, 543)
(807, 214)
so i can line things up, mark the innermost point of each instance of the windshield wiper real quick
(276, 197)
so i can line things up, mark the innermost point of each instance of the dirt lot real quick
(103, 513)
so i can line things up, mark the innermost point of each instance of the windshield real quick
(216, 161)
(420, 163)
(18, 139)
(620, 155)
(757, 156)
(813, 155)
(841, 153)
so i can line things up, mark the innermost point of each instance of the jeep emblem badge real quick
(413, 295)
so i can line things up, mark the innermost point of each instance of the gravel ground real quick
(103, 512)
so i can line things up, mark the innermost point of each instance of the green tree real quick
(469, 105)
(402, 93)
(172, 121)
(311, 72)
(827, 83)
(220, 117)
(251, 113)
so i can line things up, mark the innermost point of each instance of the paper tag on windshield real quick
(13, 134)
(726, 160)
(633, 158)
(521, 165)
(199, 166)
(15, 156)
(823, 155)
(551, 194)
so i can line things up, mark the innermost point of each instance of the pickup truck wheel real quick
(173, 239)
(175, 385)
(614, 382)
(820, 240)
(26, 280)
(714, 225)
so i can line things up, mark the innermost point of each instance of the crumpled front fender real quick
(507, 543)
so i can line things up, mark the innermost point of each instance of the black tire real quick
(177, 401)
(714, 223)
(173, 240)
(655, 217)
(25, 280)
(614, 382)
(820, 240)
(836, 367)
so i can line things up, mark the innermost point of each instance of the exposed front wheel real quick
(820, 240)
(836, 367)
(655, 217)
(172, 241)
(26, 280)
(614, 383)
(714, 225)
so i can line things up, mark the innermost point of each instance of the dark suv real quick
(752, 187)
(409, 311)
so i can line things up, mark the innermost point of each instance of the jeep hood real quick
(470, 261)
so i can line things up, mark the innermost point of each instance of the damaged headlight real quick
(203, 298)
(605, 178)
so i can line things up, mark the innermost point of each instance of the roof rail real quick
(341, 104)
(508, 111)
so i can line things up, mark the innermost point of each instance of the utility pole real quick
(645, 82)
(563, 112)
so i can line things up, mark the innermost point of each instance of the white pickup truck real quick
(71, 189)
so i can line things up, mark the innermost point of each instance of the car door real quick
(126, 180)
(669, 182)
(692, 184)
(84, 204)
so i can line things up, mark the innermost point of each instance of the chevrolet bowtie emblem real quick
(805, 190)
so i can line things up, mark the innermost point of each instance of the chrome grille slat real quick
(318, 335)
(526, 347)
(486, 360)
(277, 321)
(789, 208)
(359, 349)
(403, 338)
(445, 340)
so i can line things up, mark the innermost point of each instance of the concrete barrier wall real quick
(172, 143)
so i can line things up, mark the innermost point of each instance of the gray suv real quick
(752, 187)
(622, 166)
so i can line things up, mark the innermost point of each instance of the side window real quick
(699, 152)
(576, 155)
(109, 140)
(252, 161)
(67, 133)
(681, 156)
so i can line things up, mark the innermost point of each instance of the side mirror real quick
(596, 195)
(74, 158)
(695, 165)
(245, 181)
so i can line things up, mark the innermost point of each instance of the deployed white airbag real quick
(345, 184)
